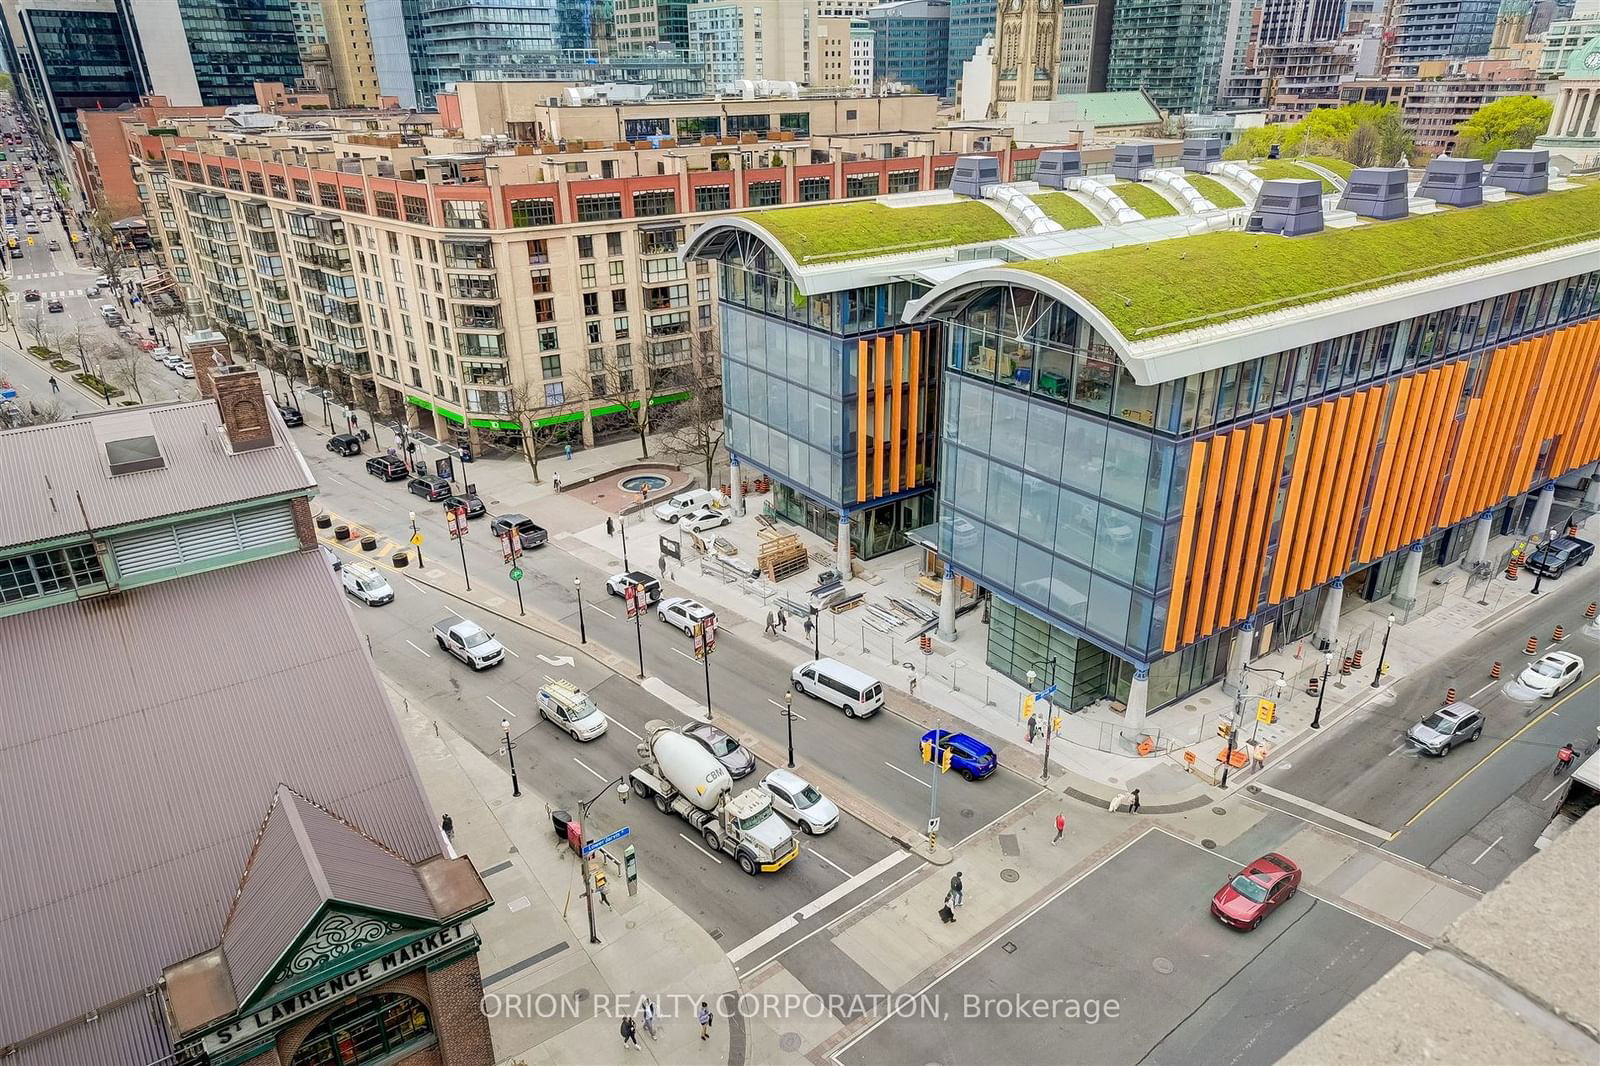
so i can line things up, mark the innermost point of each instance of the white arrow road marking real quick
(559, 660)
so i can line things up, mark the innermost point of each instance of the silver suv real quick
(1447, 727)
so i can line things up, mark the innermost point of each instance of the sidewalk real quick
(551, 996)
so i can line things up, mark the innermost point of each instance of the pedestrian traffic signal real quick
(927, 751)
(1027, 704)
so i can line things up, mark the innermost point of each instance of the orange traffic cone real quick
(1559, 635)
(1591, 611)
(1511, 571)
(1494, 672)
(1533, 646)
(1449, 697)
(1356, 661)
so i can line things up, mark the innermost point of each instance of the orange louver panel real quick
(1319, 538)
(1220, 566)
(1266, 497)
(1237, 558)
(1345, 478)
(896, 403)
(1424, 389)
(1310, 516)
(913, 410)
(1201, 560)
(1177, 604)
(1361, 477)
(861, 421)
(1386, 467)
(1426, 490)
(880, 416)
(1292, 506)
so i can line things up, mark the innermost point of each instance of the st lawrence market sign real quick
(264, 1019)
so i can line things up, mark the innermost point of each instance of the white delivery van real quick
(565, 706)
(366, 584)
(685, 502)
(853, 692)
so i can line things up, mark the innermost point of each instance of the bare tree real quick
(638, 392)
(693, 426)
(85, 344)
(8, 317)
(527, 406)
(127, 374)
(39, 330)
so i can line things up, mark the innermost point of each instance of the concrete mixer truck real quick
(687, 780)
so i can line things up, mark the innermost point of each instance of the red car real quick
(1256, 891)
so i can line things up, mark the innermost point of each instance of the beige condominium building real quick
(536, 283)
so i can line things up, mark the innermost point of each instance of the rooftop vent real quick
(1521, 170)
(1056, 166)
(1456, 182)
(132, 454)
(1288, 206)
(972, 173)
(1199, 153)
(1130, 160)
(1376, 192)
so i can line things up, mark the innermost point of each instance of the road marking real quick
(781, 706)
(830, 862)
(975, 834)
(420, 588)
(425, 655)
(502, 706)
(913, 777)
(625, 729)
(817, 906)
(1474, 769)
(591, 769)
(511, 653)
(1398, 750)
(559, 660)
(686, 655)
(461, 616)
(1553, 791)
(1488, 849)
(1327, 812)
(698, 848)
(595, 606)
(1491, 684)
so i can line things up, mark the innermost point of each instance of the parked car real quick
(1447, 727)
(969, 756)
(529, 534)
(428, 487)
(469, 642)
(684, 502)
(734, 756)
(344, 444)
(799, 801)
(1558, 556)
(387, 468)
(1551, 673)
(683, 612)
(291, 415)
(185, 369)
(172, 361)
(703, 519)
(367, 585)
(30, 295)
(55, 246)
(55, 307)
(474, 506)
(1256, 891)
(617, 585)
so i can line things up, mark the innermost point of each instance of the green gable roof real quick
(1170, 286)
(824, 233)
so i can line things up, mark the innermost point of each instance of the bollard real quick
(1533, 646)
(1449, 697)
(1559, 635)
(1494, 672)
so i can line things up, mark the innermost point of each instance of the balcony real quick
(490, 374)
(474, 316)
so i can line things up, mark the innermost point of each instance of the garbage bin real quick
(560, 819)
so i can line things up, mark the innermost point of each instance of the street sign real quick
(416, 538)
(516, 573)
(595, 845)
(633, 599)
(671, 549)
(1047, 693)
(699, 640)
(1266, 711)
(512, 545)
(933, 826)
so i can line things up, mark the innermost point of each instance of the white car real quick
(618, 585)
(564, 705)
(683, 612)
(1552, 673)
(367, 585)
(703, 519)
(185, 369)
(799, 801)
(161, 351)
(172, 361)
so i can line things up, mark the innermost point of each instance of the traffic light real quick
(1027, 704)
(927, 751)
(944, 759)
(1055, 724)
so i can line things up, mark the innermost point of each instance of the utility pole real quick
(505, 727)
(788, 714)
(1322, 689)
(577, 588)
(636, 606)
(416, 541)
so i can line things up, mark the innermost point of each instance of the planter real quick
(369, 544)
(324, 521)
(401, 559)
(341, 533)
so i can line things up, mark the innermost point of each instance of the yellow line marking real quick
(1535, 721)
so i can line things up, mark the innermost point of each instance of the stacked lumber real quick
(782, 557)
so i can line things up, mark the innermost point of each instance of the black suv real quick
(530, 535)
(474, 506)
(344, 444)
(428, 487)
(293, 417)
(1553, 559)
(387, 468)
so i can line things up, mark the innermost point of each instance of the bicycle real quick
(1564, 759)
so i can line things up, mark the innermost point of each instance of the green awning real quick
(552, 420)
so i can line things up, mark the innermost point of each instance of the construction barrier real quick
(1533, 646)
(1591, 611)
(1572, 529)
(1313, 685)
(1355, 660)
(1449, 697)
(1559, 635)
(1494, 672)
(1511, 571)
(1344, 667)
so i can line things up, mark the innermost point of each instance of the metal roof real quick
(153, 730)
(58, 481)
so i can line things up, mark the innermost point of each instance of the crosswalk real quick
(46, 294)
(46, 274)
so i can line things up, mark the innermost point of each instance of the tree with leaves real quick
(693, 428)
(1363, 134)
(1508, 123)
(105, 252)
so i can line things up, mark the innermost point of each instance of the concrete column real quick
(1479, 551)
(735, 485)
(1328, 625)
(1562, 99)
(1539, 524)
(947, 604)
(1138, 699)
(1239, 657)
(1591, 495)
(1405, 591)
(842, 546)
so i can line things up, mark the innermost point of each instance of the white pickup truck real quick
(469, 642)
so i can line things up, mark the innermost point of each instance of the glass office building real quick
(1172, 49)
(970, 22)
(72, 58)
(911, 44)
(235, 43)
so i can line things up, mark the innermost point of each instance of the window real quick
(386, 205)
(302, 190)
(585, 246)
(45, 573)
(539, 251)
(328, 195)
(766, 193)
(861, 185)
(904, 180)
(613, 244)
(555, 394)
(355, 200)
(591, 303)
(812, 189)
(713, 198)
(547, 340)
(660, 241)
(416, 210)
(257, 186)
(466, 287)
(655, 202)
(533, 212)
(616, 275)
(544, 310)
(620, 327)
(464, 214)
(550, 366)
(599, 208)
(619, 299)
(586, 276)
(381, 1027)
(280, 188)
(796, 122)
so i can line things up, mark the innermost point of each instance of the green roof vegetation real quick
(824, 232)
(1188, 283)
(1144, 200)
(1213, 190)
(1341, 167)
(1066, 211)
(1268, 169)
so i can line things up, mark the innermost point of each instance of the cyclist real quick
(1565, 756)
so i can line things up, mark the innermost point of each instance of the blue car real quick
(971, 757)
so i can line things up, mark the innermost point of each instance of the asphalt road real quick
(1137, 933)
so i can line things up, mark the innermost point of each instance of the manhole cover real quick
(1190, 707)
(1009, 876)
(1221, 810)
(1160, 965)
(790, 1043)
(1009, 947)
(966, 812)
(1253, 789)
(1207, 843)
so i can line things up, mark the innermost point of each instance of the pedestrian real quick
(772, 623)
(809, 624)
(55, 386)
(611, 527)
(783, 620)
(946, 915)
(555, 479)
(448, 826)
(568, 451)
(1033, 726)
(703, 1016)
(651, 1017)
(1261, 757)
(661, 565)
(1061, 827)
(630, 1034)
(1133, 802)
(957, 893)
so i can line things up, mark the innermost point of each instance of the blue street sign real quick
(591, 848)
(1047, 693)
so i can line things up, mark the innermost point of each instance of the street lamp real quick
(788, 715)
(816, 633)
(1322, 689)
(621, 785)
(1378, 673)
(577, 588)
(416, 541)
(505, 727)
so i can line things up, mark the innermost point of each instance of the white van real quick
(685, 502)
(853, 692)
(562, 704)
(366, 585)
